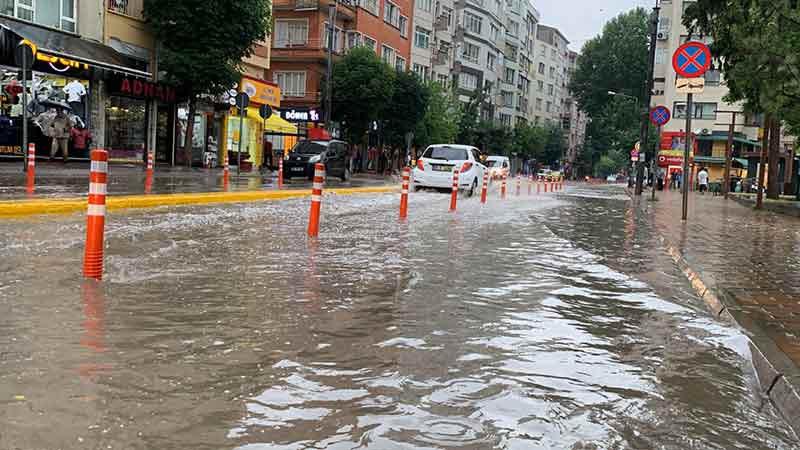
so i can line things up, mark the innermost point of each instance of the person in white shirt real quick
(702, 179)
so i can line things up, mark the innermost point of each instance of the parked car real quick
(305, 154)
(543, 174)
(498, 166)
(436, 165)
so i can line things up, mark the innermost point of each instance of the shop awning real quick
(724, 138)
(274, 123)
(68, 46)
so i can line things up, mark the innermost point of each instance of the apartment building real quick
(432, 44)
(574, 121)
(552, 60)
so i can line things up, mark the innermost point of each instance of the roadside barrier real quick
(552, 186)
(404, 193)
(539, 185)
(485, 187)
(31, 167)
(503, 187)
(519, 184)
(316, 200)
(545, 185)
(454, 194)
(562, 184)
(95, 215)
(280, 172)
(225, 172)
(148, 179)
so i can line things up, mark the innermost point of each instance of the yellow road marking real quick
(24, 208)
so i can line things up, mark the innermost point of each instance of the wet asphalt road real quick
(544, 323)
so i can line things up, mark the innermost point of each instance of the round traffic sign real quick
(265, 112)
(691, 60)
(660, 115)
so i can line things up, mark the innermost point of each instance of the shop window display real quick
(126, 128)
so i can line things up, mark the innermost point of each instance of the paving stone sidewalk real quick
(750, 262)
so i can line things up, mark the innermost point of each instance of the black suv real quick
(335, 155)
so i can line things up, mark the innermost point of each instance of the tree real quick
(755, 47)
(529, 141)
(203, 42)
(406, 108)
(554, 144)
(439, 125)
(468, 126)
(362, 83)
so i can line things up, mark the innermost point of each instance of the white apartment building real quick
(551, 60)
(433, 25)
(574, 121)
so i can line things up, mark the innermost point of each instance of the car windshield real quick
(446, 153)
(308, 148)
(491, 162)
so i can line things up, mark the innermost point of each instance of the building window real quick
(472, 23)
(468, 81)
(447, 13)
(59, 14)
(471, 52)
(371, 43)
(289, 33)
(353, 39)
(712, 77)
(422, 38)
(391, 14)
(494, 32)
(550, 89)
(425, 5)
(540, 84)
(337, 38)
(371, 6)
(509, 76)
(400, 63)
(404, 26)
(422, 71)
(552, 72)
(126, 130)
(538, 104)
(553, 54)
(512, 28)
(490, 60)
(292, 84)
(661, 56)
(703, 111)
(442, 79)
(541, 69)
(505, 119)
(548, 106)
(387, 55)
(511, 52)
(508, 99)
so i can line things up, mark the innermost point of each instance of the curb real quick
(26, 208)
(778, 377)
(769, 205)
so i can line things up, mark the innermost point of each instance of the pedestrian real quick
(60, 130)
(702, 180)
(81, 139)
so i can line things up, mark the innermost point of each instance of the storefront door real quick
(165, 122)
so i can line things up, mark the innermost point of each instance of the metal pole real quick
(654, 165)
(25, 110)
(726, 176)
(645, 130)
(239, 153)
(763, 161)
(687, 154)
(329, 69)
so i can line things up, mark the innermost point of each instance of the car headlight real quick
(314, 159)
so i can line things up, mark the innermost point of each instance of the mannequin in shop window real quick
(75, 92)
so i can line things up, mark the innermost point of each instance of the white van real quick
(498, 166)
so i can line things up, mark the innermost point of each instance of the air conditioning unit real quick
(662, 36)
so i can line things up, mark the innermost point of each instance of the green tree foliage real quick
(440, 123)
(469, 126)
(529, 141)
(406, 109)
(606, 166)
(554, 144)
(755, 45)
(202, 43)
(361, 85)
(614, 61)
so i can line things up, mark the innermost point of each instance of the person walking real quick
(702, 180)
(60, 130)
(81, 140)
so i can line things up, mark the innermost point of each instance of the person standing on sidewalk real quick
(702, 180)
(60, 130)
(81, 139)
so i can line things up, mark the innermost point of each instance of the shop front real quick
(66, 103)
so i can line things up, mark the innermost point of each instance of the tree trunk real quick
(187, 144)
(774, 161)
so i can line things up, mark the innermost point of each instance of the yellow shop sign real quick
(261, 92)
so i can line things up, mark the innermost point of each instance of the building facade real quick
(574, 122)
(552, 61)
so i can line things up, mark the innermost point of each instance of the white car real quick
(438, 162)
(498, 166)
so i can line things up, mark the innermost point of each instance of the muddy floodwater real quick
(534, 323)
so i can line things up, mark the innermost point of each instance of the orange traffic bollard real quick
(530, 184)
(225, 171)
(404, 193)
(316, 199)
(519, 183)
(485, 187)
(503, 187)
(545, 186)
(280, 173)
(148, 179)
(539, 185)
(31, 167)
(454, 194)
(96, 216)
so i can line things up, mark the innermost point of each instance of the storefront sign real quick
(261, 92)
(133, 87)
(11, 150)
(45, 62)
(300, 115)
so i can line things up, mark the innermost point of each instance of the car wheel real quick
(473, 187)
(418, 188)
(346, 174)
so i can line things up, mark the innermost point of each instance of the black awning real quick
(72, 47)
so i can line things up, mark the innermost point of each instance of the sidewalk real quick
(746, 266)
(56, 180)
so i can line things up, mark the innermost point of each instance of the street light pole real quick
(329, 69)
(648, 92)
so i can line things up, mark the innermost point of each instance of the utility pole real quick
(763, 161)
(685, 178)
(726, 175)
(645, 130)
(329, 70)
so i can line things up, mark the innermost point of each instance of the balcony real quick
(310, 49)
(346, 9)
(132, 8)
(441, 23)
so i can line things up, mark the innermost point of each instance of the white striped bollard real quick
(31, 167)
(316, 200)
(404, 193)
(485, 187)
(96, 214)
(454, 194)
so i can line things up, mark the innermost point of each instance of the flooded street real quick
(533, 323)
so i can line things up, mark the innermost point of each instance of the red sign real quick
(135, 87)
(691, 60)
(665, 161)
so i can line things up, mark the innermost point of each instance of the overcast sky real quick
(581, 20)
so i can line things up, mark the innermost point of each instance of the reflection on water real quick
(527, 324)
